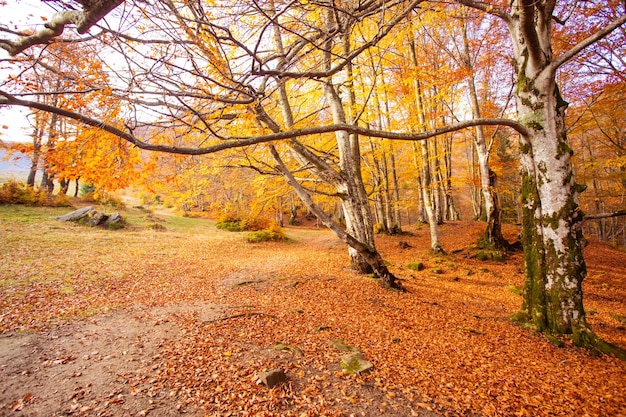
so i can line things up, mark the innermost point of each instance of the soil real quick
(98, 366)
(105, 366)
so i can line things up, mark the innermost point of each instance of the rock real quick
(76, 215)
(355, 363)
(341, 345)
(90, 216)
(271, 378)
(96, 218)
(114, 221)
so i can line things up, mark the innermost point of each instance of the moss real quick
(416, 266)
(484, 243)
(483, 256)
(564, 148)
(515, 290)
(534, 299)
(619, 318)
(585, 338)
(115, 226)
(524, 148)
(491, 256)
(552, 339)
(498, 256)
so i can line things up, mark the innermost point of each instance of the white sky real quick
(18, 15)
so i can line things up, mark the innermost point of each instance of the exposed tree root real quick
(583, 337)
(589, 340)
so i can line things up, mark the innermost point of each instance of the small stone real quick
(272, 377)
(355, 363)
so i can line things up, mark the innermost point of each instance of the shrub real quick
(90, 195)
(254, 223)
(231, 226)
(273, 233)
(86, 190)
(15, 192)
(107, 199)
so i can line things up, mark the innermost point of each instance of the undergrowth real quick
(16, 192)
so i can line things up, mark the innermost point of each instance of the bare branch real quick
(85, 19)
(604, 215)
(487, 8)
(587, 42)
(240, 142)
(382, 33)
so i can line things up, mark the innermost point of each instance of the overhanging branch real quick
(85, 19)
(240, 142)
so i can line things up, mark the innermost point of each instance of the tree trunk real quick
(37, 135)
(493, 211)
(368, 253)
(359, 233)
(431, 215)
(552, 232)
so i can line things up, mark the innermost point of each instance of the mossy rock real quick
(416, 266)
(286, 348)
(496, 256)
(355, 363)
(437, 271)
(343, 346)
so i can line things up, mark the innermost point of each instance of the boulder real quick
(76, 215)
(90, 216)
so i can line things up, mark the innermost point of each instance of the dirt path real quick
(101, 366)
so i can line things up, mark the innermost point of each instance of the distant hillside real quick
(16, 167)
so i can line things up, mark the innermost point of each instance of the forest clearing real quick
(177, 320)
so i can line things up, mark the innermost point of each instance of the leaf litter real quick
(110, 328)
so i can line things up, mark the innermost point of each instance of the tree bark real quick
(552, 233)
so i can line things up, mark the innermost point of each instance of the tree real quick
(552, 234)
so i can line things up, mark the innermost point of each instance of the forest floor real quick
(171, 316)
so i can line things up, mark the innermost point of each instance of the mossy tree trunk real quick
(552, 223)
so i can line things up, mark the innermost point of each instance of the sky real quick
(20, 15)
